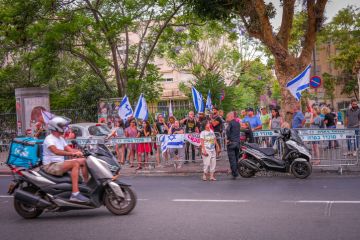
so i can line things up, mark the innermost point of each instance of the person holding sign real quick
(191, 126)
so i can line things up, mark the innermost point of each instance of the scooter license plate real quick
(12, 187)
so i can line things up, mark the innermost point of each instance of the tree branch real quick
(315, 13)
(137, 62)
(165, 24)
(92, 65)
(286, 22)
(267, 36)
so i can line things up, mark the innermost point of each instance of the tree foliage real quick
(256, 15)
(344, 33)
(116, 40)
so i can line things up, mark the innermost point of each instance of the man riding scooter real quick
(54, 150)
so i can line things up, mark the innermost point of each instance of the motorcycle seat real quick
(267, 151)
(66, 178)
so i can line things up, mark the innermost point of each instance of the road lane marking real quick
(322, 201)
(210, 200)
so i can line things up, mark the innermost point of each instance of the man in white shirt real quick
(54, 150)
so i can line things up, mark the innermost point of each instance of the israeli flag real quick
(141, 110)
(197, 99)
(299, 83)
(47, 116)
(170, 110)
(208, 101)
(125, 109)
(171, 141)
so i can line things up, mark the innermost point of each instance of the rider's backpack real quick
(25, 152)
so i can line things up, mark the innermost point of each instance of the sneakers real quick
(78, 198)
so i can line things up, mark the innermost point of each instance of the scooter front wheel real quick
(244, 171)
(120, 207)
(301, 169)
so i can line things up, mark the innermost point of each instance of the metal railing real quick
(329, 147)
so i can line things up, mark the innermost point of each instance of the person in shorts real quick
(55, 149)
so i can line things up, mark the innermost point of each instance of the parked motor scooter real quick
(37, 191)
(294, 156)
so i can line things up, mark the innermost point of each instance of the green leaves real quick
(344, 33)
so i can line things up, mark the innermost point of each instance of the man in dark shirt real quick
(201, 121)
(190, 127)
(216, 123)
(233, 142)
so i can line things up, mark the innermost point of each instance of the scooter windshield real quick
(296, 138)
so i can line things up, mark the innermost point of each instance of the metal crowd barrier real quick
(328, 147)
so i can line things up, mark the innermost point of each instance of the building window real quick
(162, 106)
(167, 79)
(343, 105)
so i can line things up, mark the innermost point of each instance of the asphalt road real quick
(321, 207)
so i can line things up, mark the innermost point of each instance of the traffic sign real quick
(315, 81)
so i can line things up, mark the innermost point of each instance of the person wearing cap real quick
(253, 120)
(265, 118)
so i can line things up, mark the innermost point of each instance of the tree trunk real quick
(285, 71)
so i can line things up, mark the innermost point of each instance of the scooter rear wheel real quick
(118, 207)
(25, 210)
(244, 171)
(301, 169)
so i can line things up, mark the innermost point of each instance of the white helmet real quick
(58, 124)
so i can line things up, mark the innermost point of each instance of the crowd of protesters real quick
(215, 131)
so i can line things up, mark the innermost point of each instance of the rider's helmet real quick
(285, 132)
(58, 124)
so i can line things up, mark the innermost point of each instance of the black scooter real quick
(294, 156)
(36, 191)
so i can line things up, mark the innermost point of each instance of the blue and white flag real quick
(171, 141)
(141, 110)
(125, 109)
(208, 102)
(299, 83)
(198, 100)
(170, 110)
(47, 116)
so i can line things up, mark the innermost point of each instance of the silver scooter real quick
(36, 191)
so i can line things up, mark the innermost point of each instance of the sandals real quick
(204, 177)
